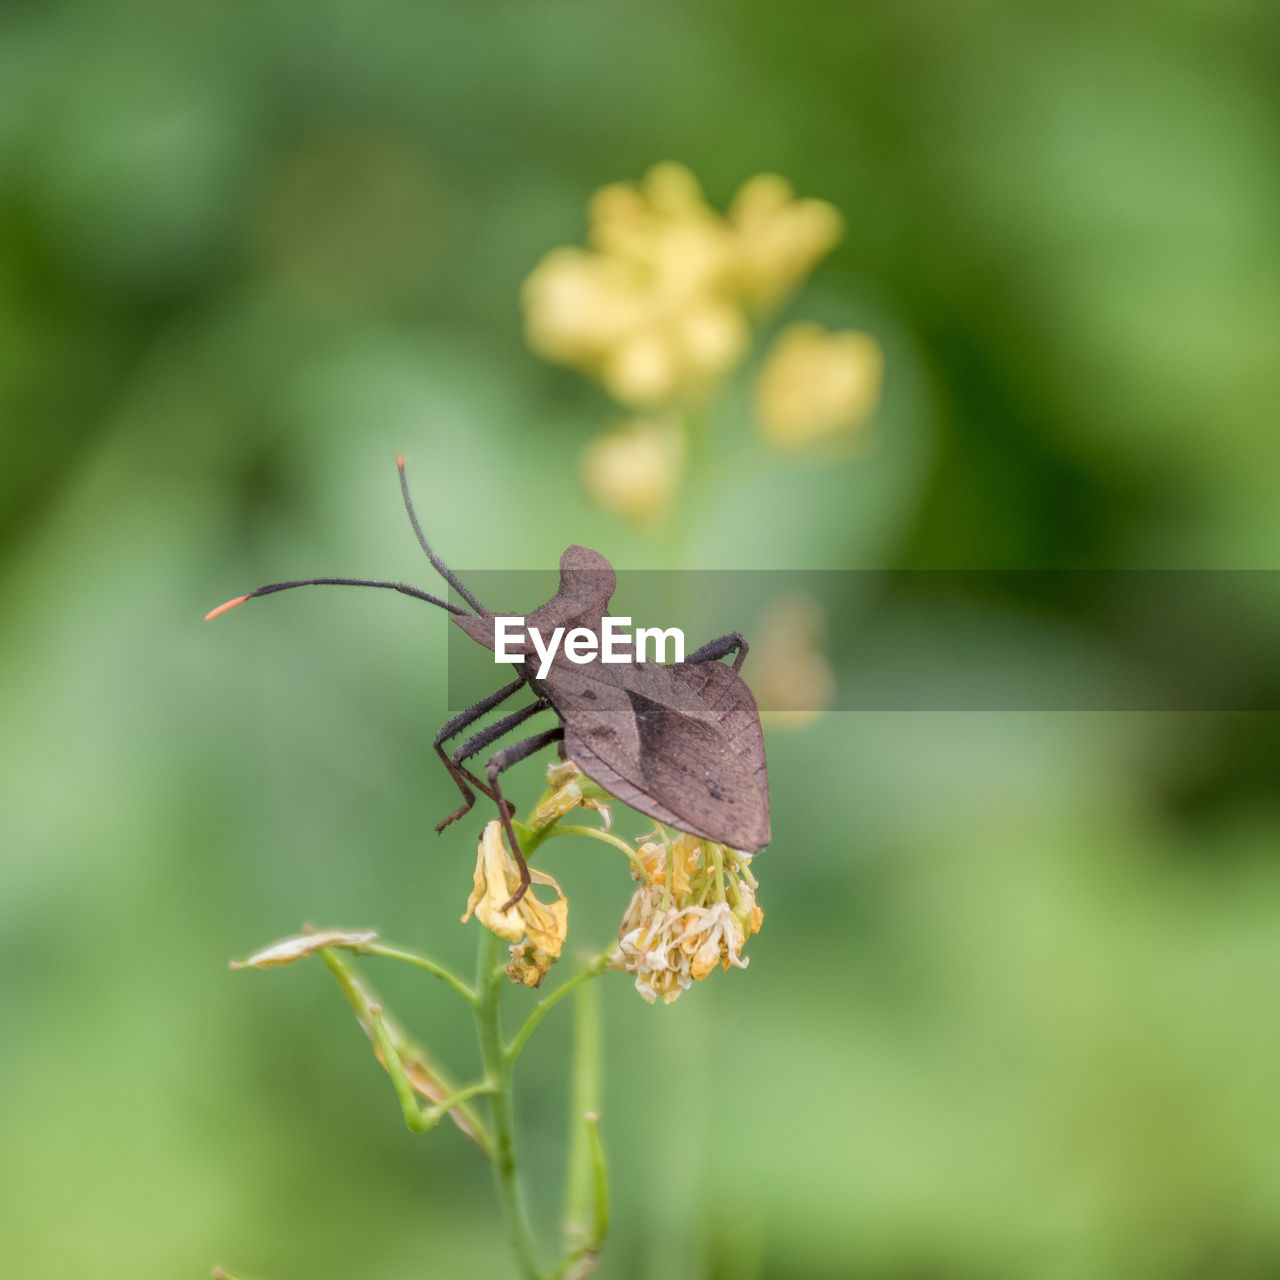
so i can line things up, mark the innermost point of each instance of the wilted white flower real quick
(696, 912)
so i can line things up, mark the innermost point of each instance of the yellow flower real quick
(791, 677)
(664, 225)
(655, 308)
(779, 238)
(673, 936)
(578, 305)
(643, 312)
(635, 470)
(535, 929)
(816, 384)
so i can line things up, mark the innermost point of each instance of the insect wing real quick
(646, 735)
(730, 700)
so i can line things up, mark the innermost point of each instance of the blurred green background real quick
(1012, 1013)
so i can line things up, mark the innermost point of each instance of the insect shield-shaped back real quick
(587, 582)
(681, 743)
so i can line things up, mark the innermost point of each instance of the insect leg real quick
(478, 741)
(502, 760)
(454, 726)
(714, 649)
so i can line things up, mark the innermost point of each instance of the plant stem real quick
(413, 1116)
(566, 829)
(580, 1199)
(490, 977)
(717, 861)
(445, 1105)
(543, 1007)
(422, 962)
(427, 1078)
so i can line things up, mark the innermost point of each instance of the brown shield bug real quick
(680, 743)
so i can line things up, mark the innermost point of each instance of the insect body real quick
(679, 743)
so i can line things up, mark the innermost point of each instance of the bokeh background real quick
(1012, 1013)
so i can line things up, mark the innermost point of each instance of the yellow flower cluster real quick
(657, 306)
(695, 911)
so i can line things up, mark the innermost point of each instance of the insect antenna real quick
(441, 568)
(401, 587)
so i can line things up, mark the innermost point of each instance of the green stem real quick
(584, 1254)
(599, 1184)
(530, 837)
(567, 829)
(412, 1058)
(497, 1061)
(438, 1110)
(413, 1116)
(717, 860)
(582, 1217)
(581, 1261)
(541, 1009)
(422, 962)
(671, 876)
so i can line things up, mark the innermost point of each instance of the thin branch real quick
(497, 1066)
(422, 962)
(572, 829)
(543, 1007)
(413, 1116)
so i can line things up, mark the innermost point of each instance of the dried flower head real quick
(696, 911)
(536, 929)
(304, 944)
(566, 790)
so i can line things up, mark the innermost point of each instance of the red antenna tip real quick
(222, 608)
(400, 461)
